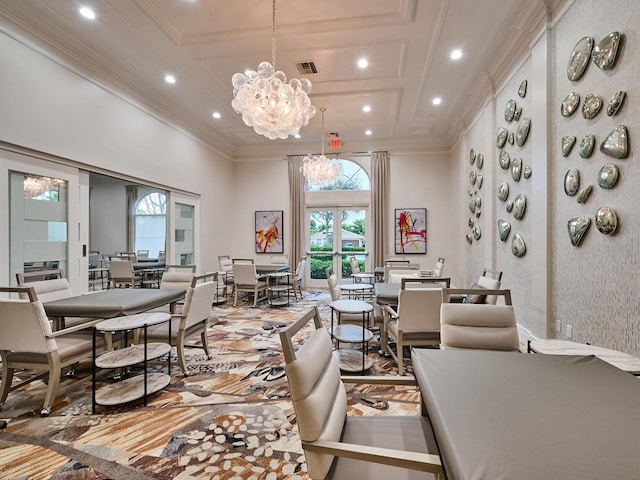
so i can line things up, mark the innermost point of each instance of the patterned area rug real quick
(230, 419)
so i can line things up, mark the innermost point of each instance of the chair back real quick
(396, 274)
(302, 265)
(176, 280)
(332, 281)
(396, 263)
(245, 261)
(419, 309)
(490, 284)
(355, 266)
(478, 326)
(244, 274)
(198, 301)
(279, 259)
(46, 290)
(24, 326)
(317, 392)
(162, 256)
(226, 265)
(142, 254)
(94, 260)
(439, 268)
(121, 268)
(425, 282)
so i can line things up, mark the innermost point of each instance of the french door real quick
(334, 235)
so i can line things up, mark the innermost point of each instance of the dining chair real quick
(437, 269)
(341, 446)
(416, 319)
(122, 274)
(142, 254)
(357, 274)
(177, 280)
(192, 321)
(297, 278)
(28, 342)
(246, 280)
(478, 326)
(376, 320)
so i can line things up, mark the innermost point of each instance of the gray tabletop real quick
(112, 303)
(262, 269)
(525, 416)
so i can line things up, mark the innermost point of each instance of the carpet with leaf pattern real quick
(231, 418)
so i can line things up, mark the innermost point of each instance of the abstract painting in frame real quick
(411, 230)
(269, 231)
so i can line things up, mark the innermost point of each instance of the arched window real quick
(353, 177)
(150, 222)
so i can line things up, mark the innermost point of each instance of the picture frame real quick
(268, 232)
(410, 225)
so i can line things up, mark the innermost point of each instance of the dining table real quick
(527, 416)
(111, 303)
(267, 268)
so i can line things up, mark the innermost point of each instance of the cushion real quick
(475, 298)
(397, 277)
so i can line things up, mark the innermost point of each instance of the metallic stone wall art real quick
(511, 138)
(471, 222)
(501, 137)
(572, 182)
(586, 146)
(570, 104)
(516, 169)
(469, 238)
(503, 191)
(523, 131)
(504, 228)
(478, 213)
(510, 110)
(519, 206)
(583, 194)
(591, 105)
(608, 175)
(567, 144)
(616, 144)
(472, 177)
(606, 220)
(472, 206)
(518, 246)
(476, 232)
(615, 104)
(522, 89)
(578, 227)
(527, 172)
(504, 160)
(516, 116)
(479, 161)
(605, 51)
(509, 207)
(472, 156)
(579, 58)
(479, 180)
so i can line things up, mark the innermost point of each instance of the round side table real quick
(350, 359)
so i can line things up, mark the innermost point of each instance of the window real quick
(353, 177)
(150, 222)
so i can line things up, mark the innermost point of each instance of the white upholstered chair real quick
(27, 341)
(122, 274)
(246, 280)
(346, 447)
(437, 269)
(297, 278)
(192, 321)
(478, 326)
(416, 320)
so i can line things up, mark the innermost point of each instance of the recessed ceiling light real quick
(86, 12)
(170, 79)
(363, 63)
(368, 132)
(366, 108)
(216, 115)
(436, 101)
(456, 54)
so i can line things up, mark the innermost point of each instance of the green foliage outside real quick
(320, 263)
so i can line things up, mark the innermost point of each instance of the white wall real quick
(49, 109)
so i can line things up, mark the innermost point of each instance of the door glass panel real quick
(353, 240)
(321, 244)
(183, 236)
(39, 226)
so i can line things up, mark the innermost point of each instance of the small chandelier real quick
(273, 107)
(320, 170)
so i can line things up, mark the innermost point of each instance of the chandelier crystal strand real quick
(273, 107)
(320, 170)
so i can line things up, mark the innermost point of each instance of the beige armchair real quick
(478, 326)
(192, 321)
(122, 273)
(246, 280)
(437, 269)
(27, 341)
(343, 447)
(416, 320)
(297, 278)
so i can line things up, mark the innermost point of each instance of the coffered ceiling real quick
(132, 44)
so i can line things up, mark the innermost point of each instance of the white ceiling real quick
(132, 44)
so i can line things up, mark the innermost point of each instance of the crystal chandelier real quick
(320, 170)
(273, 107)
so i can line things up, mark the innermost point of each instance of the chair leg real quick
(54, 379)
(400, 354)
(235, 297)
(205, 343)
(180, 351)
(7, 378)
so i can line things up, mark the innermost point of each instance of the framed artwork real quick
(411, 230)
(269, 231)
